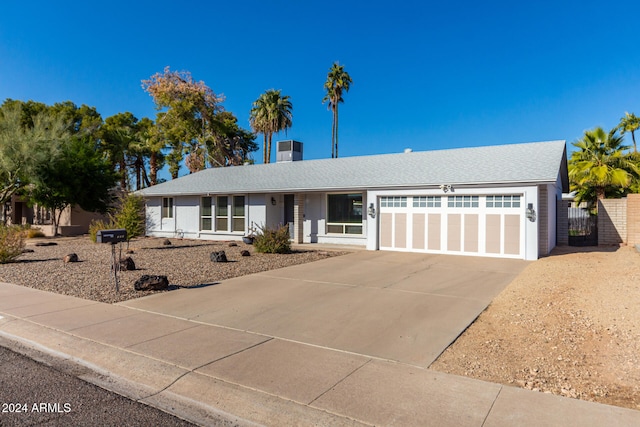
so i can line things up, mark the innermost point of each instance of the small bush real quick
(97, 225)
(34, 232)
(11, 243)
(130, 215)
(272, 240)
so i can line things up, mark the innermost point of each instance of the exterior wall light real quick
(531, 213)
(372, 210)
(446, 187)
(273, 201)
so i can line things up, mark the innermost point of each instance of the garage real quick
(478, 224)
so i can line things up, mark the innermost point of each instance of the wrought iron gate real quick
(583, 228)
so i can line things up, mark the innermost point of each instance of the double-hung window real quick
(238, 213)
(222, 213)
(206, 222)
(167, 207)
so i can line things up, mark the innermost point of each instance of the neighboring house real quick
(73, 221)
(497, 201)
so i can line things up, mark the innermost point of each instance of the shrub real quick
(34, 232)
(130, 215)
(272, 240)
(11, 243)
(97, 225)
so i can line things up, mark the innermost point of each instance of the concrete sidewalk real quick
(208, 373)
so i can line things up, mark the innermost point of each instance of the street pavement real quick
(32, 393)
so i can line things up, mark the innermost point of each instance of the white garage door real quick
(491, 225)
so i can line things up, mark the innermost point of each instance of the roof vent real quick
(408, 150)
(289, 151)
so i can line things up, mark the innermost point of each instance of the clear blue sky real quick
(427, 75)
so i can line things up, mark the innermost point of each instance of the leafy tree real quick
(27, 143)
(630, 123)
(234, 144)
(271, 113)
(338, 81)
(79, 175)
(118, 134)
(600, 165)
(188, 120)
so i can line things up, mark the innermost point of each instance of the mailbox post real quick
(114, 236)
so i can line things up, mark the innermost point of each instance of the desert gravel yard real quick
(569, 324)
(186, 263)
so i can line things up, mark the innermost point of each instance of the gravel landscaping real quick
(186, 263)
(569, 324)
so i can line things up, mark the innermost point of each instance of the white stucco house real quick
(494, 201)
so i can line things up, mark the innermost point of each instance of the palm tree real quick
(600, 165)
(630, 123)
(338, 80)
(271, 113)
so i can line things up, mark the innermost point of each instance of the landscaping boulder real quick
(151, 283)
(218, 256)
(166, 242)
(46, 244)
(232, 244)
(27, 251)
(127, 264)
(245, 253)
(70, 258)
(130, 251)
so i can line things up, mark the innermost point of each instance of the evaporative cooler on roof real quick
(289, 151)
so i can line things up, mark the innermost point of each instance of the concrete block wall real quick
(562, 222)
(612, 221)
(542, 218)
(633, 219)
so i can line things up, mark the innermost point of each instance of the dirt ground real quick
(568, 325)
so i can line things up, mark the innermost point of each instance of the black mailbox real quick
(111, 236)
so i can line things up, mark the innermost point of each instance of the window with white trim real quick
(344, 213)
(393, 202)
(206, 218)
(238, 213)
(503, 201)
(222, 213)
(427, 202)
(463, 201)
(167, 207)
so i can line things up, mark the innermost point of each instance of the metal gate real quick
(583, 228)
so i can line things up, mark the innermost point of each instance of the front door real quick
(289, 212)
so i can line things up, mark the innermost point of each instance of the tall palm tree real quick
(338, 81)
(600, 164)
(271, 113)
(630, 123)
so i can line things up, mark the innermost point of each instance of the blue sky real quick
(427, 75)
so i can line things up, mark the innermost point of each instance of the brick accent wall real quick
(562, 222)
(633, 219)
(298, 218)
(612, 220)
(543, 224)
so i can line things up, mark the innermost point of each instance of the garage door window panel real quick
(344, 213)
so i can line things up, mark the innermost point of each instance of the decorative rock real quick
(166, 242)
(70, 258)
(130, 251)
(27, 251)
(245, 253)
(151, 283)
(232, 244)
(219, 256)
(46, 244)
(127, 264)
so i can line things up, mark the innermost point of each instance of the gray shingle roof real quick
(500, 164)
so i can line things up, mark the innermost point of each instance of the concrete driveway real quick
(393, 306)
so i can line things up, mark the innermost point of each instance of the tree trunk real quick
(153, 168)
(264, 149)
(269, 148)
(633, 138)
(336, 130)
(333, 132)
